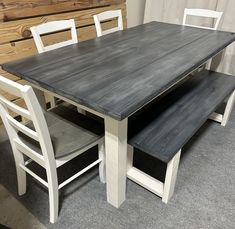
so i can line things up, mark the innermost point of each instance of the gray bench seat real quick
(163, 128)
(166, 125)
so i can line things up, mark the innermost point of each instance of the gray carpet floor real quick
(204, 195)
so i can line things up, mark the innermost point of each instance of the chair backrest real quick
(50, 27)
(32, 112)
(203, 13)
(108, 15)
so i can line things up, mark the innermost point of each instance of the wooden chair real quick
(203, 13)
(108, 15)
(48, 140)
(50, 27)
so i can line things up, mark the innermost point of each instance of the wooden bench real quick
(163, 128)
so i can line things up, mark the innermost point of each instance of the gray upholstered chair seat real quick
(67, 136)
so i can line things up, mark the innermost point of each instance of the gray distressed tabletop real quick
(119, 73)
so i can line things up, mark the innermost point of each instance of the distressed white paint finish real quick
(202, 13)
(170, 179)
(41, 134)
(116, 154)
(108, 15)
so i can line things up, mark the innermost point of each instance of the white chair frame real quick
(108, 15)
(50, 27)
(41, 134)
(203, 13)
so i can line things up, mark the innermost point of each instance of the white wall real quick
(171, 11)
(135, 12)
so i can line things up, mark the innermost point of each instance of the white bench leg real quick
(223, 118)
(102, 163)
(170, 179)
(164, 190)
(228, 109)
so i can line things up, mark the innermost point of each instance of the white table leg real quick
(116, 154)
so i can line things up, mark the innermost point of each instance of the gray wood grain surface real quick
(119, 73)
(162, 128)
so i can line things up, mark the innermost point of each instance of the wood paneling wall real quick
(16, 17)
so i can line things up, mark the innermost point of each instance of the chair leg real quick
(228, 109)
(102, 163)
(170, 179)
(53, 196)
(21, 174)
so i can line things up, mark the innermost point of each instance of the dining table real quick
(116, 75)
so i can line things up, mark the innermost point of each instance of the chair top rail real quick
(109, 15)
(11, 86)
(203, 13)
(53, 26)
